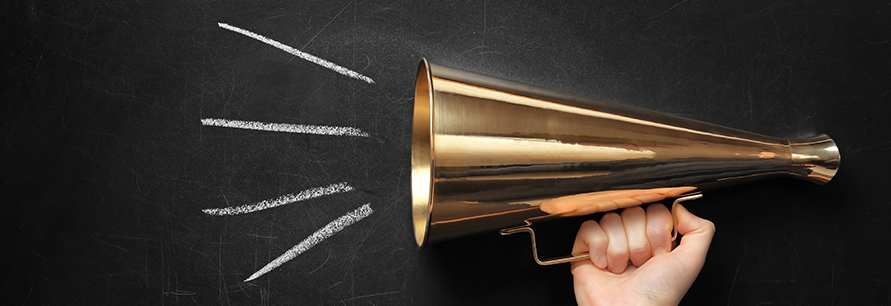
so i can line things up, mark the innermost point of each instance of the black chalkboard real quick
(106, 164)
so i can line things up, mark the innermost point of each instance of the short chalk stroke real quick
(332, 228)
(285, 127)
(282, 200)
(306, 56)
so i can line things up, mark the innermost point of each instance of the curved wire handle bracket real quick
(576, 257)
(674, 216)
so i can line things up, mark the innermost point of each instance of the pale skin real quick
(632, 262)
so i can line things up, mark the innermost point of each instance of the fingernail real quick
(659, 251)
(601, 262)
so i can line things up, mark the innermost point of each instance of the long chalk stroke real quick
(285, 127)
(309, 57)
(282, 200)
(321, 234)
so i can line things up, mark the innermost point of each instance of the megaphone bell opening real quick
(421, 153)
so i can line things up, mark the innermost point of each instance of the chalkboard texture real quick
(111, 151)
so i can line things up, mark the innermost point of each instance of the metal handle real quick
(674, 216)
(546, 262)
(581, 256)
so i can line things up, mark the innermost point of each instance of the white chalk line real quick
(321, 234)
(282, 200)
(306, 56)
(285, 127)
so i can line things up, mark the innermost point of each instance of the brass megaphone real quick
(491, 154)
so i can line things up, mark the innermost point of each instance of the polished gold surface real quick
(489, 153)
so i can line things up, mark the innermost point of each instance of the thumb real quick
(679, 268)
(697, 236)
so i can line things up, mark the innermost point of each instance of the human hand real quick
(656, 276)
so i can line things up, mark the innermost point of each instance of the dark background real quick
(105, 164)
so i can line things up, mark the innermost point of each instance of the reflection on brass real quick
(488, 154)
(592, 202)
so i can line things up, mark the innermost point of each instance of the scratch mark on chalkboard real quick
(735, 276)
(180, 292)
(285, 127)
(163, 270)
(361, 242)
(260, 236)
(332, 286)
(485, 22)
(222, 290)
(465, 52)
(145, 267)
(282, 200)
(322, 264)
(326, 25)
(264, 296)
(30, 289)
(669, 9)
(131, 237)
(110, 244)
(306, 56)
(370, 295)
(224, 196)
(137, 181)
(323, 233)
(774, 281)
(832, 285)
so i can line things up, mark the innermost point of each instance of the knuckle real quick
(592, 235)
(618, 249)
(598, 242)
(638, 247)
(617, 253)
(708, 226)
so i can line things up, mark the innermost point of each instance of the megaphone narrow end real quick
(815, 159)
(422, 153)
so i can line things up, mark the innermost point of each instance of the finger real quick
(698, 235)
(617, 250)
(659, 228)
(593, 240)
(634, 220)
